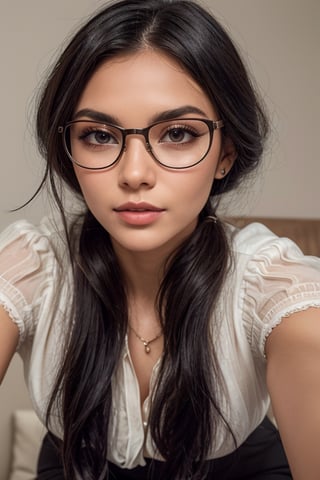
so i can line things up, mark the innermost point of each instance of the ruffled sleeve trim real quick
(13, 303)
(286, 311)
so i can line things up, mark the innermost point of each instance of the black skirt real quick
(260, 457)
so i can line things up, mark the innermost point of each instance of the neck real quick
(143, 272)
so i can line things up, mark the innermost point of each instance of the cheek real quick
(93, 185)
(197, 187)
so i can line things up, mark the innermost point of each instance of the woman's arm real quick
(9, 336)
(293, 377)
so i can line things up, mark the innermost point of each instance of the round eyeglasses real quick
(178, 143)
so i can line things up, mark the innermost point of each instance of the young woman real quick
(153, 334)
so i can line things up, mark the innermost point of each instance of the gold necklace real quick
(145, 342)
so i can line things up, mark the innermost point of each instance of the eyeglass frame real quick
(211, 124)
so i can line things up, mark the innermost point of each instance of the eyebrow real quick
(177, 112)
(158, 117)
(95, 115)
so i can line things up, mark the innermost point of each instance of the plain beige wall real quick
(280, 39)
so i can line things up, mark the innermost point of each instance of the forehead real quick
(142, 84)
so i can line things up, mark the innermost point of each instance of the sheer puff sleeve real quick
(278, 280)
(27, 273)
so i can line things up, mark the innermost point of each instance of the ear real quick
(228, 156)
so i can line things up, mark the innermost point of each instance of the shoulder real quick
(257, 250)
(23, 233)
(256, 237)
(274, 279)
(26, 248)
(33, 267)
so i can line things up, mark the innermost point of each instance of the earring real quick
(223, 171)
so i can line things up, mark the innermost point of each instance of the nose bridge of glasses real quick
(136, 131)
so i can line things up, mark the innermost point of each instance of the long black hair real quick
(189, 382)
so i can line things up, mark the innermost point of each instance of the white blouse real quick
(270, 279)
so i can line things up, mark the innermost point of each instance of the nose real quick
(136, 167)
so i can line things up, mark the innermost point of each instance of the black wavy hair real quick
(185, 402)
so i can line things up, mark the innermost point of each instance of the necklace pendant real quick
(145, 342)
(146, 347)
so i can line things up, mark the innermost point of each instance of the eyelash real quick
(184, 128)
(94, 131)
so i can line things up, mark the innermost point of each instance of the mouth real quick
(138, 214)
(138, 207)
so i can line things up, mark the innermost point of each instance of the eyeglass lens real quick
(177, 143)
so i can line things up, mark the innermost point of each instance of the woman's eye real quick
(178, 135)
(99, 137)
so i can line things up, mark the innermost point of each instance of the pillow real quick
(28, 433)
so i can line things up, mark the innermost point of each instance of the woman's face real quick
(144, 206)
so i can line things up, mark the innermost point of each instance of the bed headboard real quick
(304, 232)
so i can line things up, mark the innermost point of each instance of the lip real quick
(139, 206)
(140, 213)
